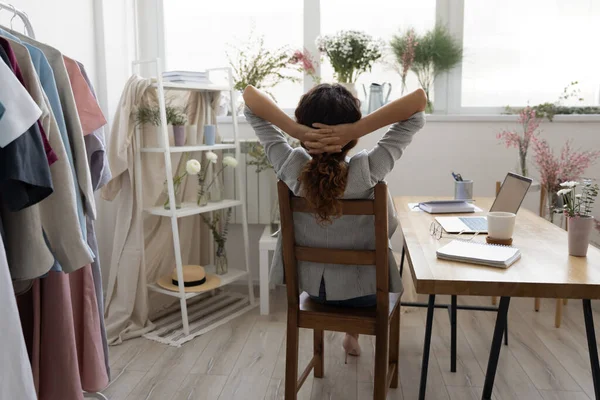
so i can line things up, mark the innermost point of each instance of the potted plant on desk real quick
(578, 209)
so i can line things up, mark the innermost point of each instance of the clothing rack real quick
(20, 14)
(29, 32)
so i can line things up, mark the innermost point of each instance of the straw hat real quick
(194, 277)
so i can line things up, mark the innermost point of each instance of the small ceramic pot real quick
(210, 135)
(179, 135)
(580, 229)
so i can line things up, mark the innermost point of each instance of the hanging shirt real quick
(73, 124)
(16, 380)
(20, 112)
(89, 111)
(58, 212)
(50, 155)
(46, 76)
(24, 173)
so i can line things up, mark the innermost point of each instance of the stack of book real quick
(186, 77)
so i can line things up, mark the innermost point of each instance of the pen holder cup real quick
(463, 190)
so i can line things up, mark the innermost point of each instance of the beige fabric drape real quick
(129, 304)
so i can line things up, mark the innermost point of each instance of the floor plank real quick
(253, 370)
(245, 359)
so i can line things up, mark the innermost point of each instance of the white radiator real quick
(261, 195)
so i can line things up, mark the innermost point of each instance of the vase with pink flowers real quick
(521, 140)
(578, 209)
(306, 63)
(569, 166)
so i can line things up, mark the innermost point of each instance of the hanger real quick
(14, 15)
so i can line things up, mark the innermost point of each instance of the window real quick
(381, 19)
(525, 52)
(515, 52)
(198, 34)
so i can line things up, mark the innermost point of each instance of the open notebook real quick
(479, 253)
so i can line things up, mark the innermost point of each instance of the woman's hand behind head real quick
(330, 138)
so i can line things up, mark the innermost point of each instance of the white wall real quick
(467, 147)
(67, 25)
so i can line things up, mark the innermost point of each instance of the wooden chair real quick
(383, 320)
(536, 305)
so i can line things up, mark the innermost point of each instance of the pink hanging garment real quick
(59, 376)
(89, 111)
(88, 336)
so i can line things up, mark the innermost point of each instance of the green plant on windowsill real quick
(428, 55)
(549, 110)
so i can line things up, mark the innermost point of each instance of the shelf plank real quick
(231, 276)
(206, 87)
(186, 149)
(188, 209)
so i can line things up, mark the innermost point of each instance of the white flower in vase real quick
(230, 161)
(193, 167)
(212, 157)
(562, 192)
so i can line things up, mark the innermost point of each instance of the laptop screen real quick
(511, 193)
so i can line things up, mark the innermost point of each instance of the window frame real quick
(447, 86)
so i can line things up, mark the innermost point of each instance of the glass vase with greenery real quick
(219, 226)
(254, 64)
(435, 52)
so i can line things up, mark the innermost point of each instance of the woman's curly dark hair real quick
(323, 179)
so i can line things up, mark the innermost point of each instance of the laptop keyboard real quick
(475, 224)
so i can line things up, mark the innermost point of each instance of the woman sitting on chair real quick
(328, 124)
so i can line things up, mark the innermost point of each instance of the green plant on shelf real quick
(176, 116)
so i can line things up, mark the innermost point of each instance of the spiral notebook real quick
(479, 253)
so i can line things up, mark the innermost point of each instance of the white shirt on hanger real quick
(16, 379)
(21, 111)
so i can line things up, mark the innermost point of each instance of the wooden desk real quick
(545, 270)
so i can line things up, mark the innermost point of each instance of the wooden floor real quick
(244, 359)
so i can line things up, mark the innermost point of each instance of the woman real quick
(328, 124)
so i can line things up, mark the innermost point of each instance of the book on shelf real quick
(186, 77)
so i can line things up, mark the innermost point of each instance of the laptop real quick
(509, 199)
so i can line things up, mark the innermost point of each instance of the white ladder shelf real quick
(189, 209)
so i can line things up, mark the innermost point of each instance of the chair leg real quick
(381, 362)
(395, 345)
(558, 314)
(291, 358)
(536, 304)
(318, 353)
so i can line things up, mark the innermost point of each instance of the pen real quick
(457, 177)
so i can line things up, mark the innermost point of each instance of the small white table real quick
(265, 245)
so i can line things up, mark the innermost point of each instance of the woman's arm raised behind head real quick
(398, 110)
(264, 107)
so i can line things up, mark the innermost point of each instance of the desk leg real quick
(402, 261)
(426, 346)
(264, 281)
(499, 330)
(592, 346)
(453, 333)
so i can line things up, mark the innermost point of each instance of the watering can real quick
(375, 99)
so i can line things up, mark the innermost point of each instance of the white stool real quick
(266, 244)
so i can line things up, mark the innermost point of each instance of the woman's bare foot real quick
(351, 346)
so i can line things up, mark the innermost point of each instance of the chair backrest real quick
(289, 204)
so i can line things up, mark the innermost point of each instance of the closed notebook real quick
(447, 207)
(479, 253)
